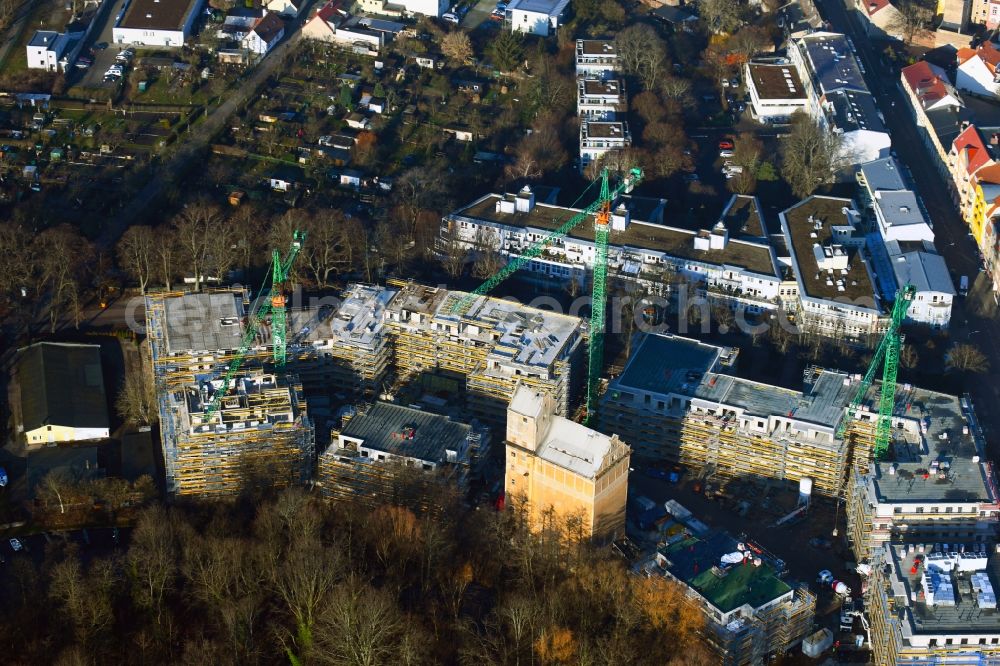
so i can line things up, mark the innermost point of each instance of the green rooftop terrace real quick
(696, 561)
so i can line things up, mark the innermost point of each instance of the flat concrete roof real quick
(641, 234)
(427, 436)
(742, 217)
(668, 364)
(804, 236)
(596, 47)
(912, 453)
(964, 617)
(604, 88)
(776, 81)
(203, 322)
(605, 130)
(157, 14)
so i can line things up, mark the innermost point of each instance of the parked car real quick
(16, 545)
(691, 178)
(450, 17)
(3, 477)
(83, 62)
(726, 144)
(825, 577)
(726, 153)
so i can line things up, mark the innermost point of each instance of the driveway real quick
(478, 14)
(94, 77)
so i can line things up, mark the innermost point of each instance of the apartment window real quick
(932, 643)
(513, 482)
(897, 509)
(381, 457)
(947, 509)
(935, 510)
(948, 641)
(920, 509)
(513, 454)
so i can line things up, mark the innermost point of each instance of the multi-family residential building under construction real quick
(372, 342)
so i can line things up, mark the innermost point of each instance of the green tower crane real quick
(886, 356)
(274, 306)
(601, 209)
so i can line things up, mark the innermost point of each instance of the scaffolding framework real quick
(259, 434)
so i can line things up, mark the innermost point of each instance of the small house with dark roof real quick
(60, 394)
(265, 35)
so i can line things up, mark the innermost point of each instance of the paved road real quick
(192, 145)
(974, 319)
(103, 59)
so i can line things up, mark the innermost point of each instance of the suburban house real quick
(61, 394)
(775, 90)
(357, 121)
(239, 22)
(48, 49)
(157, 22)
(880, 18)
(535, 17)
(977, 70)
(323, 24)
(287, 8)
(285, 178)
(264, 35)
(936, 106)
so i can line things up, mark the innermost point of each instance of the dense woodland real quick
(289, 579)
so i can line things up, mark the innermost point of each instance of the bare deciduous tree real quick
(136, 402)
(137, 254)
(811, 155)
(965, 357)
(910, 19)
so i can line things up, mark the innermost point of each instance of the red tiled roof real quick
(924, 83)
(972, 141)
(328, 10)
(874, 6)
(986, 52)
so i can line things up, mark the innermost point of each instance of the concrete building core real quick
(561, 469)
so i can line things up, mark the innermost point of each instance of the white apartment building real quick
(535, 17)
(596, 58)
(838, 95)
(732, 263)
(597, 138)
(902, 246)
(600, 99)
(836, 290)
(776, 92)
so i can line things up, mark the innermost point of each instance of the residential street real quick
(974, 319)
(200, 136)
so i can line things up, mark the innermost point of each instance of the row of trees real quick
(292, 579)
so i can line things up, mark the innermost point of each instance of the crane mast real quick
(887, 358)
(273, 306)
(601, 209)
